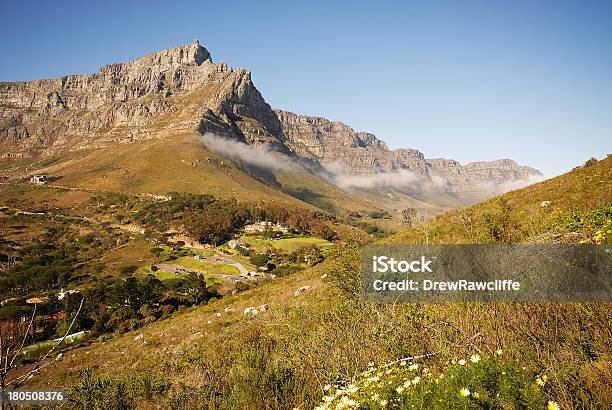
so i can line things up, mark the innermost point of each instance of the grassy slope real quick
(287, 244)
(322, 335)
(182, 163)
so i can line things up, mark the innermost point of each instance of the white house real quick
(265, 225)
(62, 294)
(38, 179)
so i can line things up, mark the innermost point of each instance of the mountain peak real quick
(170, 58)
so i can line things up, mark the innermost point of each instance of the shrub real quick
(128, 269)
(260, 259)
(99, 393)
(467, 384)
(115, 393)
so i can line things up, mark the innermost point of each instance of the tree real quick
(259, 259)
(11, 347)
(500, 224)
(217, 223)
(132, 293)
(409, 215)
(157, 251)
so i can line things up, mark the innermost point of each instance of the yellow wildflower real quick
(552, 405)
(464, 392)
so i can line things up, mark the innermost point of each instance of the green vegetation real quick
(474, 383)
(326, 335)
(104, 393)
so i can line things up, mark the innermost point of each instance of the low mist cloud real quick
(257, 155)
(507, 186)
(402, 180)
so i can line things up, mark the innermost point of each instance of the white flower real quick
(464, 392)
(413, 367)
(345, 402)
(351, 388)
(461, 362)
(474, 358)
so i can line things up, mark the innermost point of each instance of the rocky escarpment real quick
(338, 147)
(182, 90)
(121, 100)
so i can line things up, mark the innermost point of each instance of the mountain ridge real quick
(363, 153)
(181, 90)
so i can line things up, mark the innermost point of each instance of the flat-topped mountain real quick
(44, 116)
(182, 91)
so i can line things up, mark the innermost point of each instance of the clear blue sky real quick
(467, 80)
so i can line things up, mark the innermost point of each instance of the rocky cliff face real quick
(182, 90)
(119, 101)
(337, 146)
(334, 144)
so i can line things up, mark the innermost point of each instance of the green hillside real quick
(216, 356)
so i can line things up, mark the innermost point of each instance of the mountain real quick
(62, 126)
(335, 144)
(121, 101)
(575, 207)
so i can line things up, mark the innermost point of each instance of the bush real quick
(260, 259)
(128, 269)
(116, 393)
(99, 393)
(286, 270)
(467, 384)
